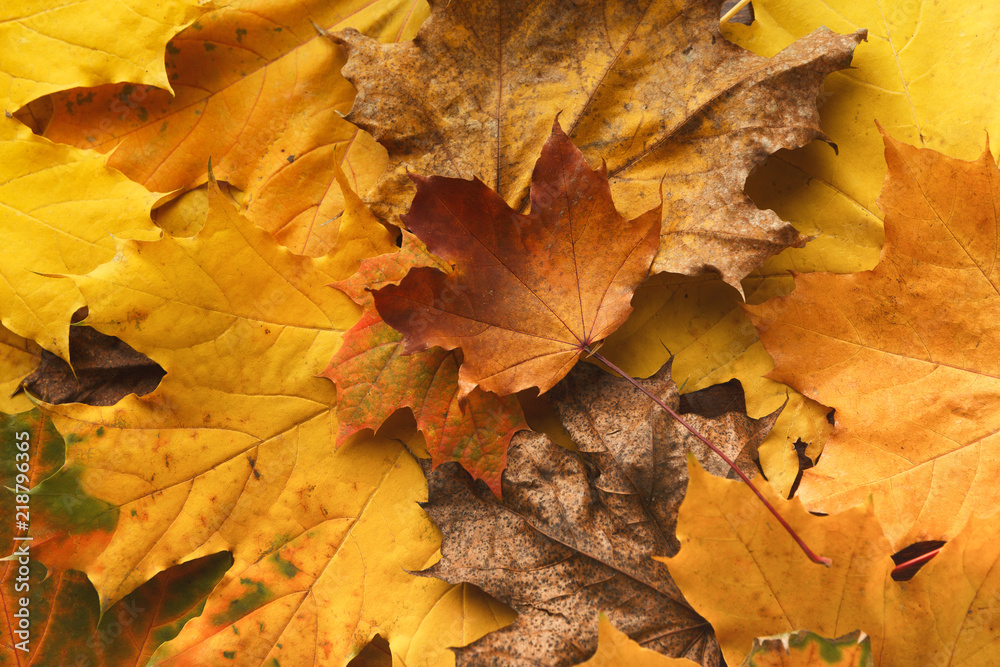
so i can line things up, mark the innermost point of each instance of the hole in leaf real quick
(804, 464)
(744, 16)
(107, 370)
(376, 654)
(714, 401)
(910, 559)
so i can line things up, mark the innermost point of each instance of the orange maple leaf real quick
(530, 294)
(908, 353)
(374, 379)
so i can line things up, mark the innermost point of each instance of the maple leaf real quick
(828, 195)
(50, 224)
(64, 45)
(741, 572)
(260, 93)
(648, 446)
(69, 629)
(615, 648)
(653, 87)
(233, 452)
(574, 532)
(905, 353)
(530, 294)
(374, 379)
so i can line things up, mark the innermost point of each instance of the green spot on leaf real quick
(285, 567)
(252, 599)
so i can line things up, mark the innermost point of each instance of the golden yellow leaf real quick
(185, 214)
(339, 578)
(258, 91)
(949, 613)
(52, 45)
(235, 451)
(62, 209)
(920, 74)
(744, 573)
(740, 569)
(906, 353)
(18, 357)
(242, 327)
(615, 648)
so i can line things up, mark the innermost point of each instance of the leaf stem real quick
(822, 560)
(733, 11)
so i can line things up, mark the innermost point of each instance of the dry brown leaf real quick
(639, 446)
(653, 87)
(575, 532)
(104, 370)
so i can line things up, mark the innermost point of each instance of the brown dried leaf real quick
(651, 86)
(638, 445)
(575, 533)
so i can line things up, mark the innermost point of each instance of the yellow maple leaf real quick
(258, 91)
(62, 209)
(238, 324)
(53, 45)
(340, 577)
(930, 91)
(741, 570)
(614, 647)
(234, 451)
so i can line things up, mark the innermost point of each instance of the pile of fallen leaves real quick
(300, 302)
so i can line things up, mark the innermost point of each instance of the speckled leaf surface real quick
(575, 532)
(652, 87)
(640, 447)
